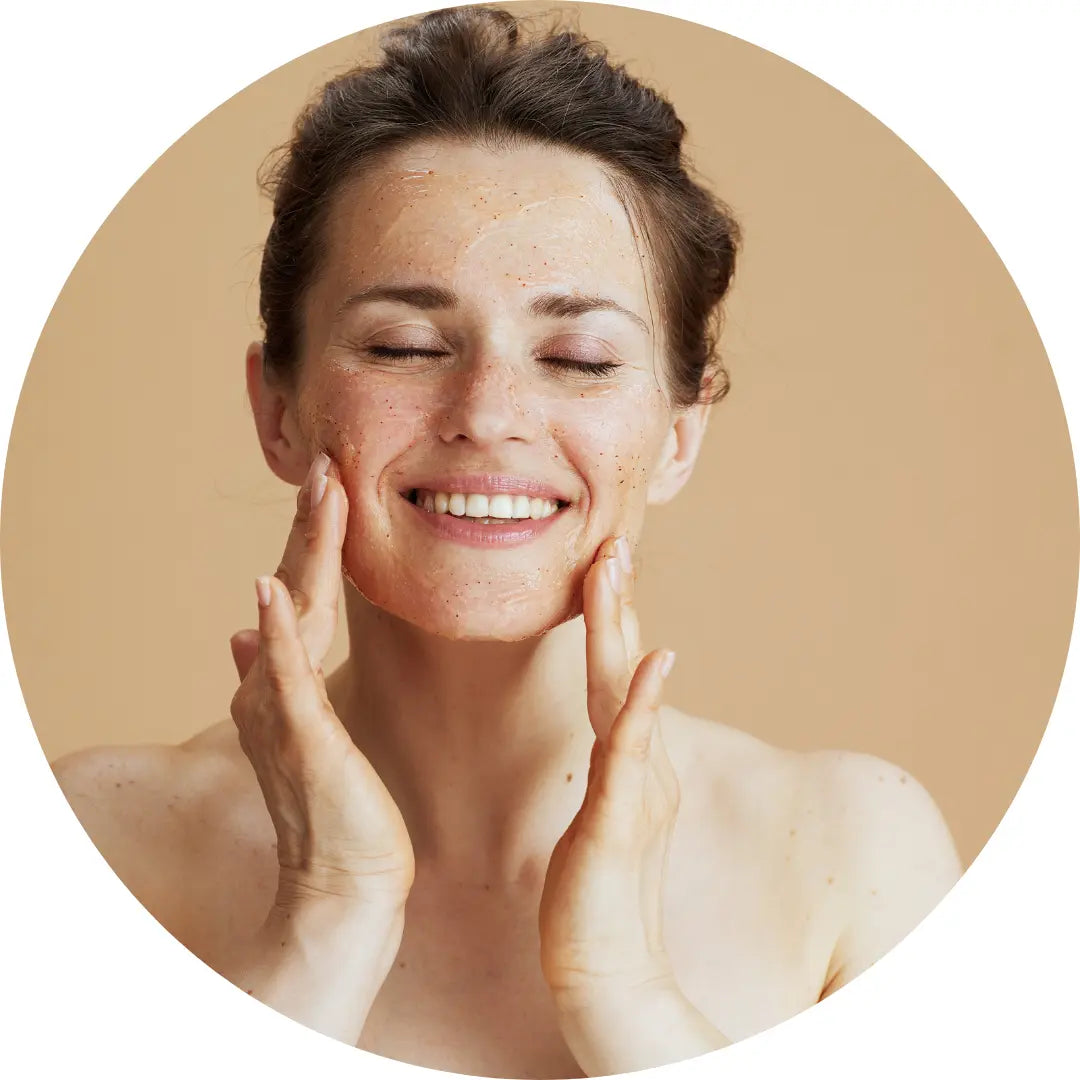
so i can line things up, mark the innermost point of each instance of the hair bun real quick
(451, 36)
(483, 74)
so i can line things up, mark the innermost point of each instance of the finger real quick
(663, 769)
(629, 749)
(310, 567)
(606, 662)
(245, 648)
(286, 665)
(630, 626)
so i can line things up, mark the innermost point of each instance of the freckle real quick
(791, 832)
(487, 887)
(903, 779)
(880, 779)
(569, 777)
(829, 880)
(873, 892)
(401, 963)
(117, 783)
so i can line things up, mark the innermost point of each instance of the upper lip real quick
(488, 484)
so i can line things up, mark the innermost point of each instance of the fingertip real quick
(263, 592)
(614, 573)
(666, 663)
(606, 550)
(338, 511)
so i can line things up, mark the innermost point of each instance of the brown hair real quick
(467, 73)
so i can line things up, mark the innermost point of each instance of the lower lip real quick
(464, 530)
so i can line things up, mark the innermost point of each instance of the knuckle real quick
(240, 705)
(282, 683)
(300, 599)
(603, 698)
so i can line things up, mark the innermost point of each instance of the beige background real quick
(878, 550)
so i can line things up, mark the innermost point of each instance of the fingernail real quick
(614, 573)
(665, 667)
(262, 591)
(318, 489)
(622, 546)
(319, 466)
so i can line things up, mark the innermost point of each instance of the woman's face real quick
(483, 324)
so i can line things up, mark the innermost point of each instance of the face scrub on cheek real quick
(483, 397)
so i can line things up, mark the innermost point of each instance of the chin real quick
(463, 614)
(519, 627)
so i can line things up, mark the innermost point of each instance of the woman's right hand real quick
(339, 833)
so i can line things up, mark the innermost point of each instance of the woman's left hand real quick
(600, 914)
(601, 934)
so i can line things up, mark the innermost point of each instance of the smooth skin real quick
(484, 844)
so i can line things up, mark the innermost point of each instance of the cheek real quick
(363, 426)
(615, 441)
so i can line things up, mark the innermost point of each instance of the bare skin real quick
(773, 897)
(373, 855)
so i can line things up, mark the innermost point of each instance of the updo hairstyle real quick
(473, 74)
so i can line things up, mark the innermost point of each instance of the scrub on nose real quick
(496, 229)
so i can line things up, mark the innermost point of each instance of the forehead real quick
(485, 223)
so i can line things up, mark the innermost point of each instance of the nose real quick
(487, 404)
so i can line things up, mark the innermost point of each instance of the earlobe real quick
(282, 446)
(678, 455)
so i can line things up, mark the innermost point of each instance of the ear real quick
(678, 454)
(282, 444)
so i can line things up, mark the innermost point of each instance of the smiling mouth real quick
(482, 509)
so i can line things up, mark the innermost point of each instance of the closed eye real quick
(597, 369)
(387, 352)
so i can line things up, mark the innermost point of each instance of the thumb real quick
(245, 648)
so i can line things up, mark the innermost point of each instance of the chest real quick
(466, 993)
(748, 935)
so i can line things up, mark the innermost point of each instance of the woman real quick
(483, 844)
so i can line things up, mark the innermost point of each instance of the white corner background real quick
(986, 92)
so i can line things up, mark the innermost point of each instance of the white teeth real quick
(475, 505)
(494, 507)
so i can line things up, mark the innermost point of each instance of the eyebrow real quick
(435, 298)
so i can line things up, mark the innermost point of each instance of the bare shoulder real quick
(161, 816)
(117, 792)
(867, 827)
(858, 798)
(723, 764)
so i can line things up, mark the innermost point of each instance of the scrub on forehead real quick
(497, 230)
(537, 216)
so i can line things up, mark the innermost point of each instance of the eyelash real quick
(595, 370)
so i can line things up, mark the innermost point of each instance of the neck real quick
(484, 746)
